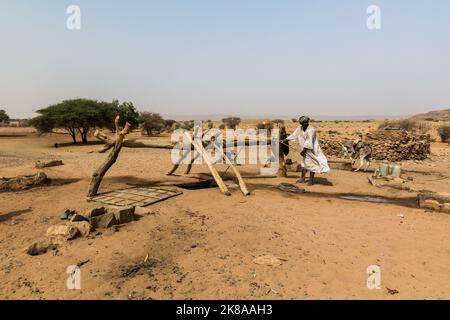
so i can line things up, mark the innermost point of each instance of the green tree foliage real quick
(232, 122)
(127, 113)
(152, 123)
(278, 122)
(169, 124)
(209, 124)
(264, 125)
(4, 117)
(444, 132)
(77, 116)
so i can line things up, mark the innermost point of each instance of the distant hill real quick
(438, 115)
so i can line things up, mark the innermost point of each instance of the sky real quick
(230, 57)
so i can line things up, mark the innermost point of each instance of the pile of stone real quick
(78, 225)
(389, 145)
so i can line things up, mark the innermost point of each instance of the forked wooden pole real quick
(200, 149)
(98, 175)
(241, 181)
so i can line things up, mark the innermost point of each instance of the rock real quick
(106, 220)
(431, 204)
(437, 201)
(78, 218)
(62, 231)
(53, 163)
(84, 227)
(96, 212)
(398, 180)
(41, 247)
(446, 207)
(340, 165)
(391, 145)
(68, 214)
(289, 187)
(268, 260)
(124, 215)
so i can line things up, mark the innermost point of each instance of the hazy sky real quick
(246, 57)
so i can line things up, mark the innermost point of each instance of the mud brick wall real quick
(390, 145)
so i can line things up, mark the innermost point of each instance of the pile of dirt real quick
(390, 145)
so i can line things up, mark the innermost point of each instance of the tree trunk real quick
(98, 175)
(73, 134)
(101, 171)
(83, 133)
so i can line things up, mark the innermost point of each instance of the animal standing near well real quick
(358, 150)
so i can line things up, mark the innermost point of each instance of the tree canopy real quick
(232, 122)
(3, 116)
(127, 113)
(152, 123)
(76, 116)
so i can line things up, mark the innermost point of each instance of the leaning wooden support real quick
(98, 175)
(177, 164)
(200, 149)
(241, 181)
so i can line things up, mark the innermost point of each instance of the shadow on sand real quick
(13, 214)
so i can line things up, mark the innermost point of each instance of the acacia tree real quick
(127, 113)
(77, 116)
(4, 117)
(232, 122)
(152, 123)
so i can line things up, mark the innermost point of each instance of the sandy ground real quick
(201, 245)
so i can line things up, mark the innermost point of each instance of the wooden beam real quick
(200, 149)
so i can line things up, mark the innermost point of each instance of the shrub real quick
(405, 124)
(444, 132)
(232, 122)
(4, 117)
(268, 125)
(152, 123)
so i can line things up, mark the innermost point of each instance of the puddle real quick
(206, 184)
(367, 199)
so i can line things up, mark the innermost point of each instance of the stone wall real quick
(390, 145)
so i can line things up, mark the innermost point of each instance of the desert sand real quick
(202, 244)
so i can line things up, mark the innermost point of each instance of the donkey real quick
(357, 149)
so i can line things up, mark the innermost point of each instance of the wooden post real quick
(282, 170)
(177, 165)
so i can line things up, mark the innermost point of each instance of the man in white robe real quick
(312, 158)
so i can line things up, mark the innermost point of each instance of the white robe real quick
(314, 160)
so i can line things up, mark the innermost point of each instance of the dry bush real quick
(405, 124)
(267, 125)
(444, 132)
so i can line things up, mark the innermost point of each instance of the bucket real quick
(384, 170)
(396, 170)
